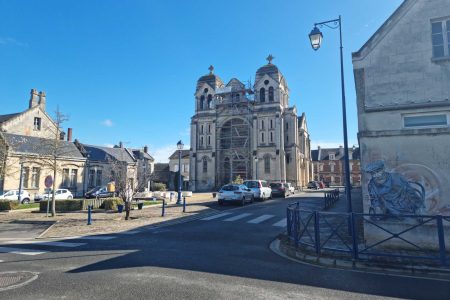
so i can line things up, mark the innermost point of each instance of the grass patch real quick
(148, 202)
(29, 205)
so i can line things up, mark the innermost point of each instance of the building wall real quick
(24, 124)
(396, 76)
(12, 180)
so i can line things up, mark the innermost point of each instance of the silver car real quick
(235, 193)
(260, 188)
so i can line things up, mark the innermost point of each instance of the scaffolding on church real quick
(234, 106)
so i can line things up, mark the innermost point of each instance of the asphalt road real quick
(219, 257)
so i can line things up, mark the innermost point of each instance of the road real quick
(222, 256)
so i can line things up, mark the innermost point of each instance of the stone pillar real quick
(282, 152)
(34, 98)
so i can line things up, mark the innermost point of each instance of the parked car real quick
(14, 196)
(313, 185)
(98, 192)
(260, 189)
(321, 185)
(290, 188)
(60, 194)
(235, 192)
(282, 189)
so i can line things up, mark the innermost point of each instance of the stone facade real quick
(402, 77)
(245, 131)
(174, 167)
(329, 166)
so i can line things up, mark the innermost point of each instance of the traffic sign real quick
(48, 181)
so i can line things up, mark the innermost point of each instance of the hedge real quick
(8, 205)
(159, 187)
(62, 205)
(111, 203)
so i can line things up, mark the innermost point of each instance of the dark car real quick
(313, 185)
(279, 189)
(98, 192)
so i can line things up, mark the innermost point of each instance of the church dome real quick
(269, 69)
(211, 79)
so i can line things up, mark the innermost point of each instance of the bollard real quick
(184, 204)
(163, 207)
(89, 215)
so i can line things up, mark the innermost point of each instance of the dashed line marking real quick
(216, 216)
(21, 251)
(282, 223)
(238, 217)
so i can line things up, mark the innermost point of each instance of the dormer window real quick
(262, 95)
(332, 156)
(37, 123)
(271, 94)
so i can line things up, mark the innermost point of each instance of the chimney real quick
(62, 135)
(69, 134)
(42, 100)
(120, 145)
(33, 98)
(341, 151)
(145, 149)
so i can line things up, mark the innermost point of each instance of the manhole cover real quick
(11, 280)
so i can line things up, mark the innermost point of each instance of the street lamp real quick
(315, 37)
(180, 146)
(256, 167)
(21, 161)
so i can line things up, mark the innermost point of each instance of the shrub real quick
(111, 203)
(62, 205)
(159, 187)
(8, 205)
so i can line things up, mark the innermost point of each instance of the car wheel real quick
(69, 198)
(252, 199)
(243, 201)
(26, 201)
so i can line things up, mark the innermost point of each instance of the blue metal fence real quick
(419, 239)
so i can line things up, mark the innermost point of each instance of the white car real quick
(60, 194)
(13, 195)
(290, 188)
(235, 192)
(260, 188)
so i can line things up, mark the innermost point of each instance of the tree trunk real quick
(53, 194)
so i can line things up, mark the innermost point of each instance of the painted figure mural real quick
(391, 193)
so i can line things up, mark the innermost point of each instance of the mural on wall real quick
(392, 193)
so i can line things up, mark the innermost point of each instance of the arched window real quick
(262, 94)
(267, 164)
(270, 94)
(237, 97)
(205, 165)
(209, 101)
(202, 102)
(262, 137)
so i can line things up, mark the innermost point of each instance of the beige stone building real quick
(27, 142)
(247, 131)
(402, 76)
(174, 167)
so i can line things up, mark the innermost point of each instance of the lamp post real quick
(256, 167)
(316, 37)
(21, 161)
(180, 146)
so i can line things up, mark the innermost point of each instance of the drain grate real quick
(11, 280)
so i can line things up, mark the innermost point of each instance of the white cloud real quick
(11, 41)
(107, 123)
(161, 154)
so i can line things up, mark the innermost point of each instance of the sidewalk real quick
(75, 223)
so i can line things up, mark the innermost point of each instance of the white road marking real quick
(1, 261)
(21, 251)
(215, 216)
(260, 219)
(282, 223)
(94, 237)
(238, 217)
(40, 243)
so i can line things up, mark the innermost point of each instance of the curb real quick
(278, 248)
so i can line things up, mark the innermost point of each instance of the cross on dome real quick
(270, 58)
(211, 69)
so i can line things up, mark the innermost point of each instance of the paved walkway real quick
(75, 223)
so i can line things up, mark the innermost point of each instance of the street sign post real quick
(48, 184)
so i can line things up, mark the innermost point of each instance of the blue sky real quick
(127, 70)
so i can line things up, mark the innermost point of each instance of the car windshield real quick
(251, 184)
(9, 193)
(94, 189)
(275, 185)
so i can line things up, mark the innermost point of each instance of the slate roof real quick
(4, 118)
(140, 154)
(325, 154)
(40, 146)
(100, 153)
(184, 154)
(271, 70)
(213, 80)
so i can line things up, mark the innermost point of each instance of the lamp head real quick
(180, 145)
(315, 37)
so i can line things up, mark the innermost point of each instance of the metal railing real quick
(330, 198)
(416, 239)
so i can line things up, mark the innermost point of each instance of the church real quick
(251, 132)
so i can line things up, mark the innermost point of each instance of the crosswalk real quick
(247, 218)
